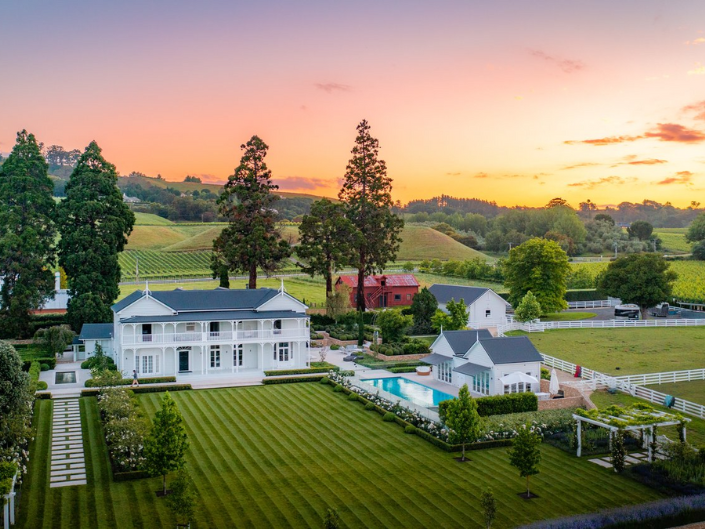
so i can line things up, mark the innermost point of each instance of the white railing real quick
(596, 324)
(299, 334)
(685, 406)
(597, 304)
(9, 504)
(668, 377)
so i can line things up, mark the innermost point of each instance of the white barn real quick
(489, 366)
(485, 307)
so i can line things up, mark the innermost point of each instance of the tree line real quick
(93, 224)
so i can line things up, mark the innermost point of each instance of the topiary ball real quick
(369, 406)
(352, 396)
(338, 388)
(389, 417)
(44, 367)
(324, 380)
(410, 429)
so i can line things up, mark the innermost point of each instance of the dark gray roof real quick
(470, 369)
(435, 359)
(96, 331)
(511, 350)
(197, 300)
(462, 341)
(444, 293)
(221, 315)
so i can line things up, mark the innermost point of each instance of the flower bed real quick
(125, 428)
(412, 347)
(90, 383)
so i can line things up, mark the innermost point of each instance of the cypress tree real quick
(94, 223)
(27, 234)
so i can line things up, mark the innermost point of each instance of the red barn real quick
(393, 290)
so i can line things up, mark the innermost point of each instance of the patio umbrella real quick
(553, 386)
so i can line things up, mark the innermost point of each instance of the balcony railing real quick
(237, 336)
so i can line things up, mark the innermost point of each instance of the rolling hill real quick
(422, 242)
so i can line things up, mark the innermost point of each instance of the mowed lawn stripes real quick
(279, 456)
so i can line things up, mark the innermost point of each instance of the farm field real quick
(626, 351)
(690, 285)
(696, 427)
(312, 450)
(673, 239)
(693, 391)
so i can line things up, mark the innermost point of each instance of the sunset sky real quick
(516, 102)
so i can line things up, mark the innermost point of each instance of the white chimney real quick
(57, 281)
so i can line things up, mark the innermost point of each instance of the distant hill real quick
(421, 242)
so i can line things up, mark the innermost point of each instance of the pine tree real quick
(166, 445)
(251, 238)
(27, 234)
(367, 196)
(94, 223)
(325, 240)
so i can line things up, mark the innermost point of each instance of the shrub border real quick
(93, 392)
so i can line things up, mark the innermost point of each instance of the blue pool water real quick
(410, 390)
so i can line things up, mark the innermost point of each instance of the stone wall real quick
(573, 399)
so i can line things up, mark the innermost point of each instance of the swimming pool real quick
(409, 390)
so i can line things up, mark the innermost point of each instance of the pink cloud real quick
(682, 177)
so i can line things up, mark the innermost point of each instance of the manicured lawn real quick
(280, 456)
(633, 351)
(696, 428)
(429, 339)
(693, 391)
(568, 316)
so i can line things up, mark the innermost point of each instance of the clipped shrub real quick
(500, 404)
(90, 383)
(405, 369)
(389, 417)
(41, 385)
(291, 380)
(303, 371)
(410, 429)
(334, 347)
(92, 361)
(44, 367)
(324, 380)
(338, 388)
(352, 396)
(545, 374)
(370, 406)
(51, 362)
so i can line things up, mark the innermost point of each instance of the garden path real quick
(68, 466)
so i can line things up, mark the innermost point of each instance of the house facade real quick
(485, 307)
(393, 290)
(209, 332)
(488, 365)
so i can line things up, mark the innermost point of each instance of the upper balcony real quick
(240, 336)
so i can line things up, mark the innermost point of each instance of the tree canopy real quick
(15, 404)
(529, 309)
(423, 307)
(27, 234)
(94, 223)
(642, 279)
(391, 324)
(696, 231)
(640, 229)
(366, 193)
(251, 239)
(326, 237)
(539, 266)
(462, 419)
(525, 453)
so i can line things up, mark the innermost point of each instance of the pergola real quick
(637, 417)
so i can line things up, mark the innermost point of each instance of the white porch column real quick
(163, 333)
(580, 438)
(163, 361)
(12, 507)
(261, 356)
(201, 350)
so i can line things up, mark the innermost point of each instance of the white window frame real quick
(215, 357)
(488, 313)
(237, 355)
(191, 327)
(284, 351)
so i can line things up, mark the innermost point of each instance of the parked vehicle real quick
(628, 311)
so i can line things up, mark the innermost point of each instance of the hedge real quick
(291, 380)
(51, 362)
(304, 371)
(406, 369)
(90, 383)
(43, 395)
(130, 476)
(500, 404)
(93, 392)
(388, 365)
(90, 363)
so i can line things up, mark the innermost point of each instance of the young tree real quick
(542, 267)
(367, 196)
(165, 446)
(251, 238)
(640, 229)
(338, 303)
(618, 450)
(391, 324)
(529, 309)
(27, 234)
(326, 235)
(461, 417)
(489, 507)
(54, 339)
(183, 497)
(643, 279)
(525, 454)
(458, 314)
(94, 223)
(423, 307)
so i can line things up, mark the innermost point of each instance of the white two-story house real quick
(209, 332)
(485, 307)
(488, 365)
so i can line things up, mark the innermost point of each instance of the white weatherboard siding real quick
(489, 310)
(532, 369)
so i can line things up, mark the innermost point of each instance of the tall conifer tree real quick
(94, 223)
(27, 234)
(367, 194)
(251, 239)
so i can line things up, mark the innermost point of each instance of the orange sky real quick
(516, 102)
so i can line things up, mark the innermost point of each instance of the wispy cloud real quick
(695, 42)
(605, 180)
(481, 175)
(303, 183)
(333, 87)
(671, 132)
(698, 69)
(566, 65)
(650, 161)
(682, 177)
(579, 165)
(453, 174)
(698, 108)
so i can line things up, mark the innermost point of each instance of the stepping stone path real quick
(629, 459)
(68, 467)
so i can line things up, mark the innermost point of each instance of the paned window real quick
(237, 355)
(215, 356)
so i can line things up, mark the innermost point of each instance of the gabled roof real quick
(461, 341)
(391, 280)
(204, 300)
(511, 350)
(96, 331)
(444, 293)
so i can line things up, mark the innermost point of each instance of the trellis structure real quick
(9, 505)
(637, 417)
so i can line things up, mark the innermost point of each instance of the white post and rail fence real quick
(9, 505)
(632, 384)
(542, 326)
